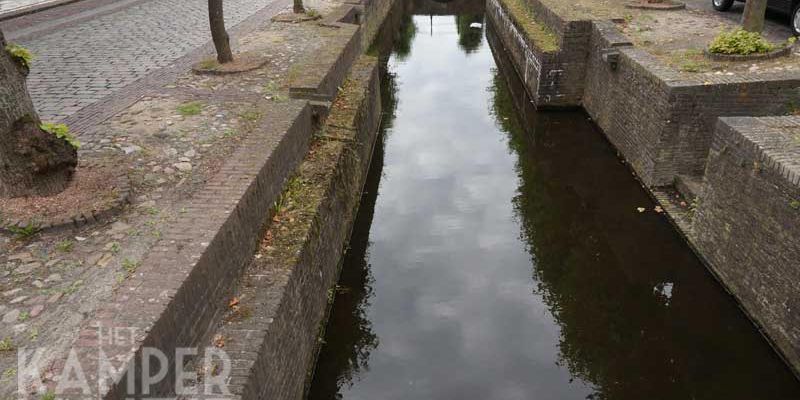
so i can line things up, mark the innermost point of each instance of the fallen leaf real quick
(234, 301)
(218, 341)
(640, 209)
(658, 209)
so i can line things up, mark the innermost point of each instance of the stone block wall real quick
(662, 121)
(553, 79)
(747, 221)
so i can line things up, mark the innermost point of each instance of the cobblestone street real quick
(83, 62)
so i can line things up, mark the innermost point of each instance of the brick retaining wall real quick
(747, 221)
(662, 122)
(659, 119)
(182, 287)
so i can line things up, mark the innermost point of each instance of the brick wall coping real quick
(776, 141)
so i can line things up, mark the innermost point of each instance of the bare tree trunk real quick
(753, 17)
(298, 7)
(218, 33)
(32, 161)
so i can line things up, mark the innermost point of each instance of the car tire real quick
(796, 20)
(722, 5)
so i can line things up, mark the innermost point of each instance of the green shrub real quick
(62, 132)
(20, 54)
(740, 42)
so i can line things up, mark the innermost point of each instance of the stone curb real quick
(671, 6)
(782, 52)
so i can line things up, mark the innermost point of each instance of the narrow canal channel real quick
(499, 253)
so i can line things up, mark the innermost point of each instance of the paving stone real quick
(20, 328)
(119, 226)
(93, 258)
(23, 257)
(104, 260)
(11, 316)
(55, 297)
(36, 310)
(125, 46)
(35, 300)
(27, 268)
(183, 166)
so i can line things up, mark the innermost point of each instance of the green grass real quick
(65, 246)
(61, 131)
(24, 316)
(541, 35)
(20, 54)
(24, 232)
(313, 13)
(7, 345)
(190, 108)
(210, 63)
(130, 266)
(691, 60)
(251, 115)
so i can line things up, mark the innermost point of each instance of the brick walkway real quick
(84, 62)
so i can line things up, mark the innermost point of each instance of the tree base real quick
(243, 62)
(295, 18)
(784, 51)
(666, 5)
(96, 193)
(34, 162)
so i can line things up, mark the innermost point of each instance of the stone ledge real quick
(310, 80)
(285, 289)
(775, 141)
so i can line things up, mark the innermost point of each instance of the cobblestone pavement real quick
(81, 64)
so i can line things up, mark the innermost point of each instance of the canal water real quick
(499, 253)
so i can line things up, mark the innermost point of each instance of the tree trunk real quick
(753, 17)
(32, 161)
(218, 33)
(298, 7)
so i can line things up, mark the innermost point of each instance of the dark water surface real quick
(498, 254)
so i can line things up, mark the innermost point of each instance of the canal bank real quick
(498, 252)
(671, 128)
(254, 171)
